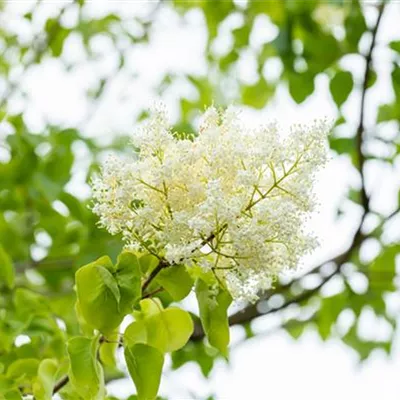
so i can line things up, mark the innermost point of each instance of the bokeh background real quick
(75, 79)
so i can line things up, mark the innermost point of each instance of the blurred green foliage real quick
(47, 231)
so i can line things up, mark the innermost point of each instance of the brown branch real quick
(163, 264)
(361, 128)
(147, 295)
(60, 384)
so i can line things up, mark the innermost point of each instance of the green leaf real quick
(301, 85)
(258, 94)
(372, 77)
(86, 373)
(214, 314)
(355, 26)
(128, 277)
(382, 270)
(109, 281)
(342, 145)
(341, 86)
(28, 302)
(86, 328)
(396, 82)
(99, 295)
(150, 307)
(176, 281)
(23, 370)
(329, 311)
(388, 112)
(241, 35)
(295, 329)
(148, 262)
(169, 330)
(145, 366)
(198, 352)
(135, 333)
(44, 383)
(13, 394)
(108, 348)
(7, 274)
(395, 45)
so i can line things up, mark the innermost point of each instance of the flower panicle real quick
(231, 199)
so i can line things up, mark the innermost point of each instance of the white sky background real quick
(269, 366)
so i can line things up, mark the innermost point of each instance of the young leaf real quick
(135, 333)
(7, 275)
(145, 366)
(148, 262)
(213, 314)
(98, 296)
(85, 373)
(128, 277)
(150, 307)
(176, 281)
(44, 383)
(169, 330)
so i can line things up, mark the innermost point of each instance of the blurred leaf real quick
(241, 35)
(7, 274)
(342, 145)
(383, 270)
(258, 94)
(372, 77)
(355, 25)
(300, 86)
(23, 370)
(387, 112)
(341, 86)
(395, 45)
(198, 352)
(329, 311)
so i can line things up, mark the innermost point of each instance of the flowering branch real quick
(251, 311)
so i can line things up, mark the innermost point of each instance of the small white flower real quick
(242, 194)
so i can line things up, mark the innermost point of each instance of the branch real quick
(163, 264)
(361, 129)
(251, 311)
(60, 384)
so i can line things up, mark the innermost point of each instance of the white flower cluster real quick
(231, 200)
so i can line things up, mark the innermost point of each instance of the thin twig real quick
(60, 384)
